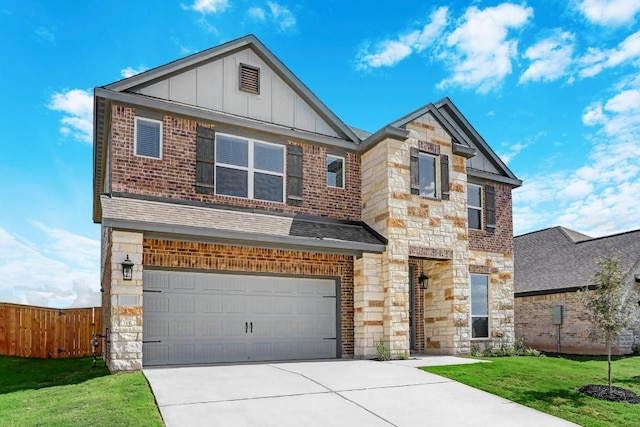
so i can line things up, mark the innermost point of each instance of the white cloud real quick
(597, 60)
(130, 71)
(388, 53)
(208, 6)
(45, 34)
(282, 16)
(480, 52)
(77, 106)
(609, 12)
(600, 196)
(274, 13)
(550, 58)
(257, 13)
(62, 272)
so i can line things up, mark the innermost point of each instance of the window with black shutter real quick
(429, 174)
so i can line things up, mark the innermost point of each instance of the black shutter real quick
(415, 171)
(294, 175)
(490, 202)
(205, 160)
(444, 176)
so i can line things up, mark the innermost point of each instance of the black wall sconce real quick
(127, 269)
(423, 280)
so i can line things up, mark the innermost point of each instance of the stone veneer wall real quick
(368, 302)
(207, 256)
(499, 268)
(420, 227)
(534, 325)
(174, 175)
(125, 299)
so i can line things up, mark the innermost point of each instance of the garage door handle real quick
(246, 327)
(251, 327)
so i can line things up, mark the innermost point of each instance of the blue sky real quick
(552, 85)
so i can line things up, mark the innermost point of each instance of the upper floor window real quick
(148, 138)
(429, 172)
(335, 171)
(474, 206)
(248, 168)
(479, 306)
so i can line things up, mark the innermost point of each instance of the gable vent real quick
(249, 79)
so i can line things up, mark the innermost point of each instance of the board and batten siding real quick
(215, 85)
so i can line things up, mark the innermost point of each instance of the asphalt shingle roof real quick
(153, 215)
(558, 258)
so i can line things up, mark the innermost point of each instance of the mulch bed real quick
(617, 394)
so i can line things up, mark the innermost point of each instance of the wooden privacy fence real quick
(29, 331)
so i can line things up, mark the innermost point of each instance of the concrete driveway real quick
(331, 393)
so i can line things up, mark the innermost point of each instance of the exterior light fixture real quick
(127, 269)
(423, 280)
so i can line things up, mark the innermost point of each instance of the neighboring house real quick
(551, 266)
(261, 227)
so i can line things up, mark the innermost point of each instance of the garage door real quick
(206, 318)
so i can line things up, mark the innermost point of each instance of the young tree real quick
(611, 305)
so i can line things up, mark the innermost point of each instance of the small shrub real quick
(503, 349)
(383, 352)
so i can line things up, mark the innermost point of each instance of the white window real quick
(335, 171)
(479, 306)
(474, 206)
(248, 168)
(427, 174)
(148, 138)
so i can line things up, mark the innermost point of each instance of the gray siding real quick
(214, 85)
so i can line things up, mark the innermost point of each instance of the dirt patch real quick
(617, 394)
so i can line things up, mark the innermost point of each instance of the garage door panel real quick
(205, 318)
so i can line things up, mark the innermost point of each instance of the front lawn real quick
(69, 392)
(548, 384)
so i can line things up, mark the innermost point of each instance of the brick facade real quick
(534, 324)
(218, 258)
(501, 239)
(174, 176)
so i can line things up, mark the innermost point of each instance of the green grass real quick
(69, 392)
(548, 384)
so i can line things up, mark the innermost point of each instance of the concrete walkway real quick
(331, 393)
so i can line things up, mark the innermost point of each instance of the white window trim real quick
(251, 170)
(343, 170)
(471, 316)
(135, 138)
(478, 208)
(436, 173)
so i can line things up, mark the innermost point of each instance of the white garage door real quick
(207, 318)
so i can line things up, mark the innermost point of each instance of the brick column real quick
(368, 302)
(125, 328)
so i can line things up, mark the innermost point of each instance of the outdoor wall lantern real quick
(423, 280)
(127, 269)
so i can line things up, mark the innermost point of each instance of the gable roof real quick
(558, 259)
(124, 91)
(465, 139)
(250, 41)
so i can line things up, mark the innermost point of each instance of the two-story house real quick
(242, 220)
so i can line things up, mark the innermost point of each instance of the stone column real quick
(368, 301)
(125, 328)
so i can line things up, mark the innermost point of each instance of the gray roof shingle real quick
(237, 225)
(558, 258)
